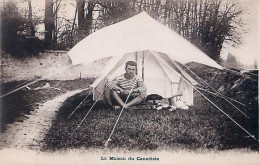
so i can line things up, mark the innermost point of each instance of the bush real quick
(15, 41)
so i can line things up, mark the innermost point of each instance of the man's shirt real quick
(128, 84)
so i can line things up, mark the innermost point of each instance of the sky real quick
(246, 53)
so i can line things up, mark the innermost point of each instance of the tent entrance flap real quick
(158, 77)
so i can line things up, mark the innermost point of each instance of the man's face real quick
(130, 70)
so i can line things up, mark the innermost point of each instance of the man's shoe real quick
(185, 107)
(172, 108)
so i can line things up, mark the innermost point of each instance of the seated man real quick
(124, 86)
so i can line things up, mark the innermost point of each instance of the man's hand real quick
(118, 89)
(126, 92)
(135, 91)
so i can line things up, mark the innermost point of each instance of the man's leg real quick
(117, 98)
(137, 99)
(107, 95)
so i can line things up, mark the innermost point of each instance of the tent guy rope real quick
(204, 82)
(19, 85)
(80, 103)
(91, 108)
(252, 136)
(213, 93)
(227, 98)
(109, 138)
(17, 89)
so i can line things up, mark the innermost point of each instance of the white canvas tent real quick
(138, 33)
(146, 41)
(161, 75)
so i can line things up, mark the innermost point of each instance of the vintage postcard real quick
(129, 82)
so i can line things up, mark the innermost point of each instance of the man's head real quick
(130, 68)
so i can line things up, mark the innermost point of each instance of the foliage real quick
(207, 24)
(14, 38)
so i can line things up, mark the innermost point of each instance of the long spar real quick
(17, 89)
(252, 136)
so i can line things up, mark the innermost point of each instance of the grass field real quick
(202, 127)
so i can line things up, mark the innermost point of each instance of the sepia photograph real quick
(129, 82)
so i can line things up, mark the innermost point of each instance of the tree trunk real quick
(81, 21)
(30, 23)
(49, 23)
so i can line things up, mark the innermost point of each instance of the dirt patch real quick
(18, 105)
(30, 132)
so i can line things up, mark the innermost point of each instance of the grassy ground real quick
(16, 106)
(199, 128)
(202, 127)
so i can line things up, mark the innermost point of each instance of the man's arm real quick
(141, 86)
(113, 85)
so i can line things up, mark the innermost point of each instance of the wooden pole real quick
(143, 66)
(136, 60)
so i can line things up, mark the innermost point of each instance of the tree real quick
(49, 23)
(85, 16)
(205, 23)
(30, 27)
(12, 26)
(56, 8)
(15, 40)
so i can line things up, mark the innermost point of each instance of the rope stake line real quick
(216, 91)
(80, 103)
(222, 95)
(109, 138)
(91, 107)
(227, 115)
(252, 136)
